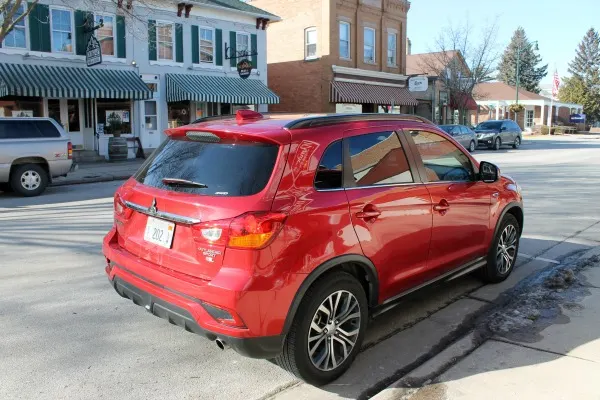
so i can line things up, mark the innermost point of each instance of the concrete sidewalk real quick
(100, 172)
(554, 354)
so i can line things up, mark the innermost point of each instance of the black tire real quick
(517, 143)
(492, 273)
(497, 144)
(295, 355)
(38, 175)
(472, 146)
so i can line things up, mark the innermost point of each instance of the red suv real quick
(281, 236)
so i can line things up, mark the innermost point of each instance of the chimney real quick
(408, 47)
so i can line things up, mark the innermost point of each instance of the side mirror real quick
(488, 172)
(503, 129)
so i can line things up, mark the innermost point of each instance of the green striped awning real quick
(218, 89)
(61, 82)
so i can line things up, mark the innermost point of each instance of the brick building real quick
(338, 55)
(495, 98)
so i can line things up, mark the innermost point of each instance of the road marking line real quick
(539, 258)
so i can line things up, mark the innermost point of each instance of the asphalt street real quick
(65, 333)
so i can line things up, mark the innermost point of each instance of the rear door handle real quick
(442, 206)
(368, 214)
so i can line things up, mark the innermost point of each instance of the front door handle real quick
(369, 212)
(442, 207)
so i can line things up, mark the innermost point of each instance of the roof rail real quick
(331, 119)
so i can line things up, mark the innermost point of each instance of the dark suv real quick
(495, 134)
(281, 236)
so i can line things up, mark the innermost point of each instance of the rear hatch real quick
(187, 192)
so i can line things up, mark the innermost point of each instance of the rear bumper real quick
(255, 347)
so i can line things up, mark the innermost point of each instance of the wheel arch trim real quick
(510, 206)
(367, 266)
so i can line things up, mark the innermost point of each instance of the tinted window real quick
(18, 129)
(489, 125)
(464, 130)
(378, 159)
(443, 160)
(47, 129)
(446, 128)
(227, 169)
(329, 172)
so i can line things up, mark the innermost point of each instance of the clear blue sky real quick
(558, 26)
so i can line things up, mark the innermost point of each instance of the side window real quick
(505, 126)
(443, 160)
(464, 130)
(47, 129)
(18, 129)
(378, 159)
(329, 171)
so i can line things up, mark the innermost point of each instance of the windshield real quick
(489, 125)
(212, 169)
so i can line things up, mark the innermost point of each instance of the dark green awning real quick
(74, 82)
(218, 89)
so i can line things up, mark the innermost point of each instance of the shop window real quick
(164, 40)
(115, 115)
(62, 30)
(73, 115)
(179, 114)
(11, 106)
(54, 110)
(17, 37)
(106, 34)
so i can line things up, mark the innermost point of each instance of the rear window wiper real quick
(183, 182)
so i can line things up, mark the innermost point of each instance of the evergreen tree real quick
(530, 74)
(586, 63)
(584, 86)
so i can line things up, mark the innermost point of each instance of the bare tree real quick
(461, 58)
(12, 13)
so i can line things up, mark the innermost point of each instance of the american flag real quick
(555, 84)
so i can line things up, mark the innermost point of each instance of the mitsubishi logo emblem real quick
(152, 209)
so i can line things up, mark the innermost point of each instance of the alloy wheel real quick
(31, 180)
(517, 143)
(507, 249)
(472, 146)
(334, 330)
(497, 144)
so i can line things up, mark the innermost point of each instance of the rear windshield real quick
(221, 169)
(489, 125)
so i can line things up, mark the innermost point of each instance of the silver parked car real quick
(462, 134)
(498, 133)
(32, 152)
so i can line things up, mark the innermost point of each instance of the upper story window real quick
(369, 45)
(207, 45)
(106, 34)
(391, 53)
(242, 43)
(17, 37)
(61, 23)
(345, 40)
(164, 41)
(310, 43)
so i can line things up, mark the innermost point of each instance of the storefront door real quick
(150, 134)
(67, 112)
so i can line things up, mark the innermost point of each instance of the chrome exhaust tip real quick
(221, 344)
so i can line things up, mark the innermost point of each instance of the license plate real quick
(159, 232)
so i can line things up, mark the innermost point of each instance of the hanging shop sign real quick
(417, 84)
(244, 68)
(93, 52)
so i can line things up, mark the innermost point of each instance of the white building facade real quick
(164, 64)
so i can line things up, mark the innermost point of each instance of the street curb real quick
(91, 180)
(409, 384)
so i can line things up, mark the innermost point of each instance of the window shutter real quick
(232, 51)
(195, 45)
(81, 37)
(152, 40)
(219, 47)
(121, 41)
(253, 50)
(179, 43)
(39, 28)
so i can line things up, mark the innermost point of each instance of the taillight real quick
(70, 150)
(248, 231)
(121, 210)
(253, 231)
